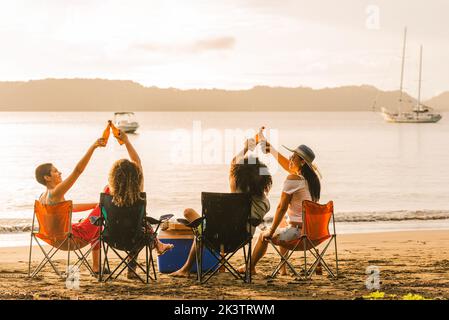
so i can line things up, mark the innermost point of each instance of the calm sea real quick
(381, 176)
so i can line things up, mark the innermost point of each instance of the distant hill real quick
(119, 95)
(440, 102)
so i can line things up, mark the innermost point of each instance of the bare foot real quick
(242, 269)
(180, 274)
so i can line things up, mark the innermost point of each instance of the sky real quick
(232, 44)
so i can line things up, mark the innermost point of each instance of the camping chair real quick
(55, 228)
(315, 230)
(224, 229)
(127, 229)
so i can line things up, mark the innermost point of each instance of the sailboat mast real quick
(420, 78)
(402, 70)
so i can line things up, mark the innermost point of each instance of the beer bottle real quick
(116, 133)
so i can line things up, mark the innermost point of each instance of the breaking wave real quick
(24, 225)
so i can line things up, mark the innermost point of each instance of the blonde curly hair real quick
(125, 183)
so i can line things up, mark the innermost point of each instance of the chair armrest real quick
(165, 217)
(151, 220)
(183, 221)
(162, 218)
(194, 224)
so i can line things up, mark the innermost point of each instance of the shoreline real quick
(414, 262)
(21, 239)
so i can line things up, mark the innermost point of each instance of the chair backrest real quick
(55, 221)
(226, 226)
(124, 226)
(316, 218)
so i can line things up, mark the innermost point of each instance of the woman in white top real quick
(301, 184)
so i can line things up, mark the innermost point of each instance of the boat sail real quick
(420, 113)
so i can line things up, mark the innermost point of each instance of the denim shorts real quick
(288, 233)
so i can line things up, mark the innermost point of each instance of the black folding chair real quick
(224, 229)
(127, 229)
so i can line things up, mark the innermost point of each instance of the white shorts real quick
(288, 233)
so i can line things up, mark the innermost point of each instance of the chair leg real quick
(106, 261)
(200, 263)
(68, 256)
(147, 265)
(284, 260)
(29, 257)
(319, 259)
(336, 256)
(100, 265)
(249, 262)
(82, 258)
(47, 259)
(306, 275)
(44, 261)
(247, 265)
(152, 264)
(197, 261)
(125, 264)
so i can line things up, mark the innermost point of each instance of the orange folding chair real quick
(315, 231)
(55, 228)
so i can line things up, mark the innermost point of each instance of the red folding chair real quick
(315, 231)
(55, 228)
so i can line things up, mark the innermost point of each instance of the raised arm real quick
(250, 144)
(130, 148)
(283, 161)
(133, 155)
(60, 190)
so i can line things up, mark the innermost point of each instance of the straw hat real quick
(307, 155)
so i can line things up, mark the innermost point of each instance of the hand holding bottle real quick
(260, 138)
(116, 133)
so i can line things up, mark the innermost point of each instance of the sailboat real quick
(420, 113)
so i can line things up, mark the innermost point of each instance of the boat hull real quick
(411, 117)
(128, 128)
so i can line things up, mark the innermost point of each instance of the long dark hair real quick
(313, 181)
(251, 176)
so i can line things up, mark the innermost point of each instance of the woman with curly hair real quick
(246, 175)
(125, 186)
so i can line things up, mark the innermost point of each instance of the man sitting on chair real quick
(56, 188)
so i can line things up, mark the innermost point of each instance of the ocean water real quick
(381, 176)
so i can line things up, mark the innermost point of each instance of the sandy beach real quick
(415, 262)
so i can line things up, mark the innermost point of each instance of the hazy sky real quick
(227, 44)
